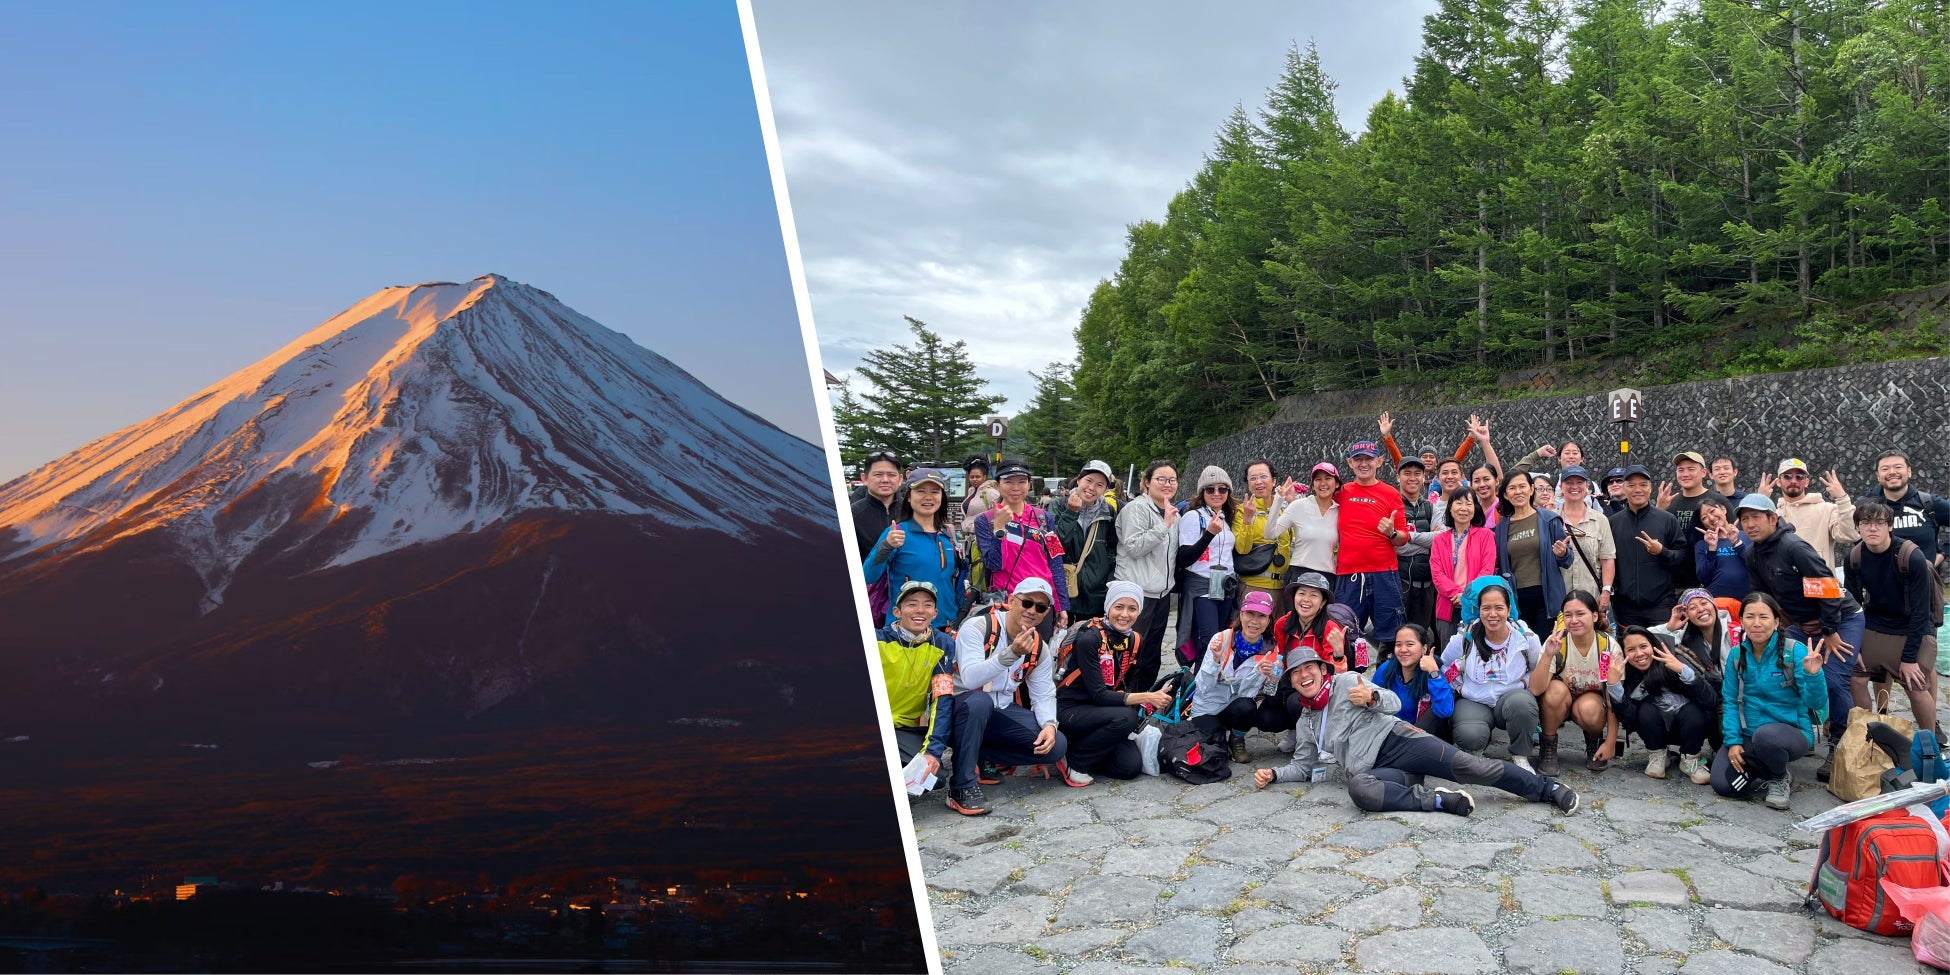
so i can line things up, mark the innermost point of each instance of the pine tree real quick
(924, 402)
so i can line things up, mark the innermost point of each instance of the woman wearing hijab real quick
(918, 546)
(1497, 667)
(1208, 591)
(1096, 706)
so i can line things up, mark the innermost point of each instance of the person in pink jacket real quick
(1458, 557)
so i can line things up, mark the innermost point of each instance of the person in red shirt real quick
(1373, 524)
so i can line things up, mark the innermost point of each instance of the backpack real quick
(1903, 552)
(1064, 673)
(1903, 846)
(1192, 755)
(994, 636)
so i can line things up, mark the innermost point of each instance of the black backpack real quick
(1194, 756)
(1903, 552)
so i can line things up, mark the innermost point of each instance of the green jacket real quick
(1093, 567)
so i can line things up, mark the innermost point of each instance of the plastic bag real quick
(1859, 764)
(1929, 909)
(917, 776)
(1147, 739)
(1924, 792)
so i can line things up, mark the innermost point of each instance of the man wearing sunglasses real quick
(1823, 524)
(997, 652)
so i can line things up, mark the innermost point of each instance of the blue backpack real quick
(1929, 766)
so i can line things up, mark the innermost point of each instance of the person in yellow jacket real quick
(1255, 517)
(917, 666)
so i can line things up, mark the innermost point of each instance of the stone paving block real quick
(1460, 855)
(982, 873)
(1392, 864)
(1505, 829)
(1430, 951)
(1649, 887)
(1794, 867)
(1208, 888)
(1663, 932)
(1312, 821)
(1065, 816)
(1242, 811)
(1466, 905)
(1316, 858)
(996, 961)
(1184, 939)
(1289, 944)
(1554, 947)
(1369, 834)
(1307, 894)
(1558, 895)
(1663, 849)
(1054, 875)
(1081, 942)
(1123, 968)
(1170, 831)
(1016, 922)
(1555, 851)
(1143, 861)
(1635, 816)
(1108, 900)
(1863, 957)
(1095, 836)
(1256, 919)
(1396, 907)
(1117, 809)
(1260, 849)
(1720, 885)
(1732, 963)
(1729, 838)
(1773, 935)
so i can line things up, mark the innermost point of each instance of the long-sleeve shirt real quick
(1440, 698)
(998, 674)
(1478, 556)
(1350, 733)
(1485, 681)
(1223, 677)
(1722, 566)
(1645, 580)
(1897, 602)
(1316, 534)
(927, 556)
(1782, 565)
(1823, 524)
(1146, 547)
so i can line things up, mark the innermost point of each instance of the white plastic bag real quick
(1147, 739)
(917, 776)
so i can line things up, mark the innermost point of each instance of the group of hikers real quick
(1390, 628)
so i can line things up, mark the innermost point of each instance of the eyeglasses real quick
(1218, 489)
(1033, 605)
(1161, 479)
(1794, 476)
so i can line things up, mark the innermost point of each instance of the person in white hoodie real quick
(1385, 757)
(1147, 544)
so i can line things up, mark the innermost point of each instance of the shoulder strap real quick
(1089, 541)
(1902, 555)
(1855, 556)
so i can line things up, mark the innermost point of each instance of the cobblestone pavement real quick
(1649, 876)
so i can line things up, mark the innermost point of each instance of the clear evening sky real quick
(185, 187)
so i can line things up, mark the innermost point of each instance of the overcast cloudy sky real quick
(977, 171)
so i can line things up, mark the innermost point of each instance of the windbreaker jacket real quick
(1220, 681)
(1027, 548)
(1146, 547)
(1778, 566)
(920, 679)
(927, 556)
(1440, 698)
(1093, 573)
(1353, 735)
(1768, 690)
(1249, 533)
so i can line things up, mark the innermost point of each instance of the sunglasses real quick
(1793, 476)
(1218, 489)
(878, 456)
(1034, 605)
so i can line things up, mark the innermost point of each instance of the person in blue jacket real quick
(1772, 697)
(1532, 551)
(1720, 552)
(919, 547)
(1414, 674)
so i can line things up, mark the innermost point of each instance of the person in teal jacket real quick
(920, 547)
(1772, 697)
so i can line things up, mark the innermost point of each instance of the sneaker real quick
(1073, 778)
(1547, 756)
(1564, 798)
(1656, 765)
(1238, 747)
(1285, 741)
(969, 801)
(1696, 768)
(1827, 765)
(991, 773)
(1522, 762)
(1455, 802)
(1778, 791)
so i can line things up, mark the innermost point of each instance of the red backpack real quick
(1904, 846)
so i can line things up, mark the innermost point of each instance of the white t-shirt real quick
(1218, 554)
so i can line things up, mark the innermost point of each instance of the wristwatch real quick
(1607, 589)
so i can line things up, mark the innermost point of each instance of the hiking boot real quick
(1285, 741)
(1073, 778)
(969, 801)
(1591, 761)
(991, 773)
(1237, 744)
(1696, 768)
(1656, 765)
(1547, 763)
(1564, 798)
(1778, 791)
(1455, 802)
(1827, 765)
(1522, 762)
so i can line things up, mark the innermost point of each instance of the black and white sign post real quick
(998, 430)
(1627, 408)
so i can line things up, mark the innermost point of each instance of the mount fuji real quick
(450, 505)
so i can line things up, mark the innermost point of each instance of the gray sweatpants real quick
(1515, 712)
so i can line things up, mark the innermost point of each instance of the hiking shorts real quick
(1882, 656)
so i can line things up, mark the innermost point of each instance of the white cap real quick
(1033, 584)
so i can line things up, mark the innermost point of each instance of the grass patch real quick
(1036, 952)
(1165, 895)
(1015, 876)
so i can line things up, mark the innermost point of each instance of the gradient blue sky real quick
(185, 187)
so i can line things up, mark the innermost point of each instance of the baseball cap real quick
(1032, 584)
(1364, 448)
(1691, 455)
(1638, 470)
(1257, 601)
(1791, 464)
(1754, 501)
(1615, 474)
(1098, 467)
(1011, 468)
(1412, 461)
(928, 475)
(1571, 471)
(1324, 466)
(915, 585)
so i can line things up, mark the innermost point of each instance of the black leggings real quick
(1150, 626)
(1532, 610)
(1394, 784)
(1685, 728)
(1768, 751)
(1244, 714)
(1100, 739)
